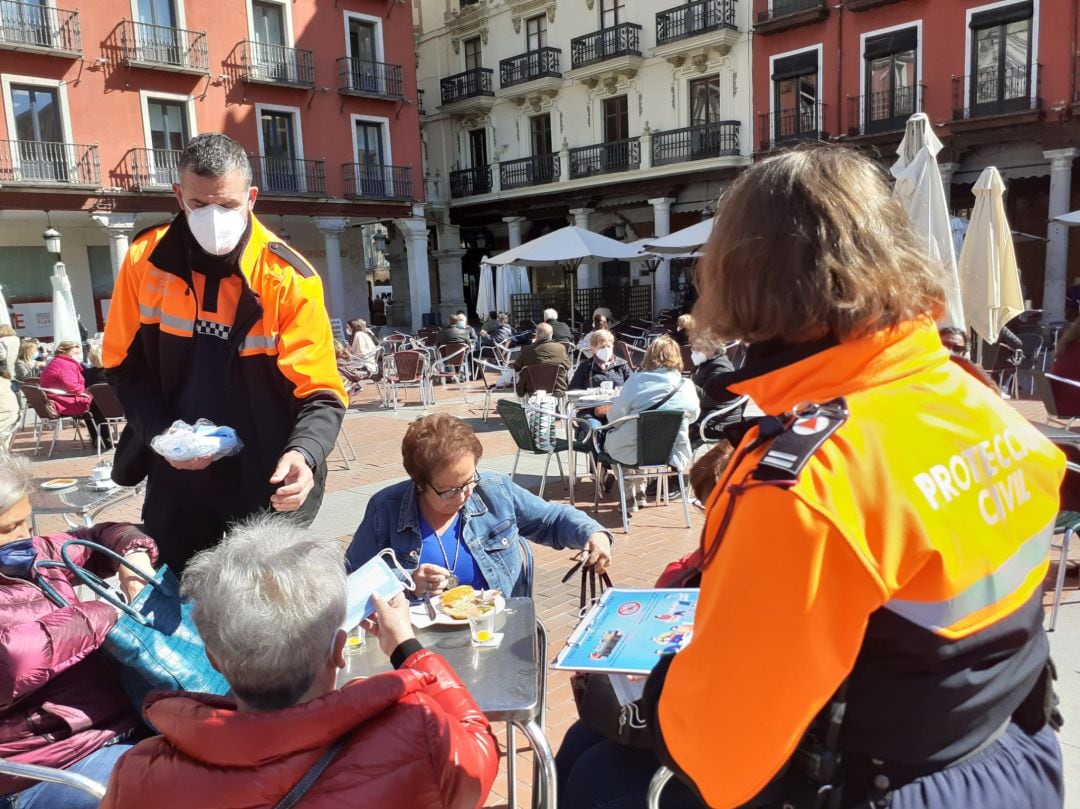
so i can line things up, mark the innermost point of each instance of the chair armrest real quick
(1063, 380)
(596, 431)
(722, 410)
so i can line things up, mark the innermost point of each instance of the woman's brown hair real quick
(662, 353)
(808, 244)
(66, 347)
(434, 441)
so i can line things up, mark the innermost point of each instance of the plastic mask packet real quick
(382, 576)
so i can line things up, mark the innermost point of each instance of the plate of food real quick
(453, 606)
(58, 483)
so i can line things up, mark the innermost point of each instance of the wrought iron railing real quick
(289, 176)
(376, 181)
(470, 182)
(883, 111)
(34, 162)
(155, 168)
(164, 45)
(782, 8)
(792, 126)
(607, 43)
(472, 83)
(538, 64)
(361, 77)
(39, 26)
(526, 171)
(997, 91)
(277, 64)
(605, 158)
(694, 18)
(717, 139)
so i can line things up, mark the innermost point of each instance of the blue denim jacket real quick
(493, 518)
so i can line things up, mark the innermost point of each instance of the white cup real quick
(607, 386)
(101, 474)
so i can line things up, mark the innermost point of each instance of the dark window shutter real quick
(1003, 15)
(798, 65)
(892, 42)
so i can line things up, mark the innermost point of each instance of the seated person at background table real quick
(453, 333)
(599, 321)
(61, 705)
(682, 329)
(604, 366)
(543, 350)
(363, 344)
(491, 322)
(560, 332)
(498, 335)
(10, 411)
(93, 370)
(352, 370)
(269, 604)
(711, 374)
(1067, 365)
(463, 319)
(64, 375)
(26, 364)
(459, 526)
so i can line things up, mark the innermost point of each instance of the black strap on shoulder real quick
(291, 257)
(809, 427)
(304, 784)
(665, 400)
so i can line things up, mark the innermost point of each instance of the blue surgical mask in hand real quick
(17, 558)
(374, 577)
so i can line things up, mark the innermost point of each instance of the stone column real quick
(564, 162)
(586, 273)
(662, 277)
(1057, 234)
(119, 227)
(451, 288)
(645, 145)
(947, 171)
(331, 228)
(513, 229)
(415, 231)
(397, 313)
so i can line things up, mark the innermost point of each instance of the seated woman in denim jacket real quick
(456, 525)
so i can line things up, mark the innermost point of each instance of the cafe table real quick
(80, 498)
(577, 401)
(507, 681)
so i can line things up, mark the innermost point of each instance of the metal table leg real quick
(545, 759)
(511, 766)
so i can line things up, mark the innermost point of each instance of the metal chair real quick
(546, 376)
(1029, 362)
(1067, 523)
(627, 352)
(656, 786)
(1045, 389)
(491, 388)
(657, 431)
(34, 772)
(514, 416)
(406, 369)
(719, 414)
(451, 365)
(111, 410)
(46, 414)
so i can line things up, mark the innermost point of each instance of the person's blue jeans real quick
(97, 766)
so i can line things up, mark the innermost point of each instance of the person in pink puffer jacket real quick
(63, 382)
(60, 703)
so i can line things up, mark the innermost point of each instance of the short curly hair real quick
(663, 353)
(433, 441)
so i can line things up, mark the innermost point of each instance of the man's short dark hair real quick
(214, 155)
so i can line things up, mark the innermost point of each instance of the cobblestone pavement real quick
(657, 535)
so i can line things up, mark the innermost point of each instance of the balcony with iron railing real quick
(287, 176)
(376, 181)
(359, 77)
(997, 91)
(789, 127)
(542, 63)
(470, 182)
(153, 169)
(883, 111)
(699, 142)
(691, 19)
(781, 15)
(605, 158)
(607, 43)
(276, 64)
(470, 84)
(163, 47)
(539, 169)
(40, 28)
(44, 163)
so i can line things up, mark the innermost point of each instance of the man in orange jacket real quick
(214, 318)
(878, 544)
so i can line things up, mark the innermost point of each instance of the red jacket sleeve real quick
(470, 757)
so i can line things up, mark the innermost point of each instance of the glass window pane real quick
(362, 40)
(269, 23)
(24, 114)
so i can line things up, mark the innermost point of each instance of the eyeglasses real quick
(450, 494)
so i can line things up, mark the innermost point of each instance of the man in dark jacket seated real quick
(454, 332)
(560, 332)
(543, 351)
(269, 603)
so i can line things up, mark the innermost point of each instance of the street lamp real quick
(379, 241)
(51, 237)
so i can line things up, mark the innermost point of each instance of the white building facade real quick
(627, 117)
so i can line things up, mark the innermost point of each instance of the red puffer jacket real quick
(416, 740)
(65, 373)
(59, 701)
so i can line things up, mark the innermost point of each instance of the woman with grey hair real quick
(269, 604)
(61, 705)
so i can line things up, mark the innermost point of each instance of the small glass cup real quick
(607, 386)
(482, 625)
(355, 640)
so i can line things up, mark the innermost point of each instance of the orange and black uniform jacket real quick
(279, 386)
(907, 559)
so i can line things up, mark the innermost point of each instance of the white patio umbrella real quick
(920, 191)
(989, 277)
(65, 324)
(688, 240)
(5, 318)
(653, 258)
(485, 293)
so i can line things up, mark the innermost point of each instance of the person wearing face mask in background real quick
(214, 317)
(604, 366)
(711, 369)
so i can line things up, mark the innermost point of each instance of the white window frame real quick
(819, 48)
(969, 40)
(181, 17)
(290, 41)
(298, 132)
(144, 102)
(918, 25)
(380, 53)
(8, 79)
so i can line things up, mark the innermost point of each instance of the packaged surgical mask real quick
(217, 229)
(383, 576)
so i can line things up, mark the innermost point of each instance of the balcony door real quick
(795, 97)
(480, 178)
(474, 57)
(364, 54)
(536, 33)
(612, 12)
(542, 165)
(1001, 56)
(280, 167)
(615, 154)
(42, 154)
(27, 22)
(371, 175)
(891, 81)
(706, 133)
(169, 133)
(271, 51)
(156, 33)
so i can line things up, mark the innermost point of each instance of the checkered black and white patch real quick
(212, 329)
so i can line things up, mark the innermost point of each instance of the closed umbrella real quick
(65, 324)
(920, 191)
(5, 318)
(506, 286)
(485, 293)
(989, 277)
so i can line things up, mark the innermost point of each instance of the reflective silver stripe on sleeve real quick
(155, 313)
(258, 342)
(938, 615)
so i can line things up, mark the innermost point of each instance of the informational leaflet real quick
(374, 577)
(629, 630)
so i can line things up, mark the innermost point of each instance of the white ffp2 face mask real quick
(604, 354)
(217, 230)
(697, 357)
